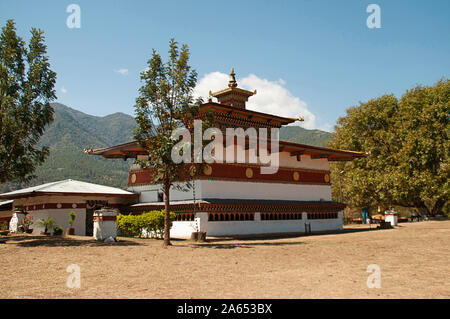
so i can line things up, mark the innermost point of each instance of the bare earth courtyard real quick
(413, 258)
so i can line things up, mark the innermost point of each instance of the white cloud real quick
(327, 127)
(63, 90)
(122, 71)
(271, 97)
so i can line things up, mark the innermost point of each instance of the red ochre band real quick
(233, 172)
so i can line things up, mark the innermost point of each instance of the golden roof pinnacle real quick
(232, 83)
(232, 95)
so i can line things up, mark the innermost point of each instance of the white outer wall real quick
(149, 193)
(61, 217)
(271, 191)
(183, 228)
(223, 228)
(241, 190)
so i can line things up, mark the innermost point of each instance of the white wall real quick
(183, 229)
(243, 190)
(270, 191)
(269, 226)
(257, 226)
(61, 217)
(148, 193)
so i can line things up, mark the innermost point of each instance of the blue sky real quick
(321, 53)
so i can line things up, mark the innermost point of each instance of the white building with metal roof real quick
(58, 199)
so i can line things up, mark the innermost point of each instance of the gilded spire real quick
(232, 83)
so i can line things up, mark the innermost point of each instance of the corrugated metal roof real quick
(68, 186)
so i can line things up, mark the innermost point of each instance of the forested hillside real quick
(70, 133)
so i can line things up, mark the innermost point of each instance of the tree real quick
(26, 90)
(408, 145)
(165, 103)
(424, 125)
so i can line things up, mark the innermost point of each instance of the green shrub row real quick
(148, 224)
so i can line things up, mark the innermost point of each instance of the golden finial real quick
(232, 83)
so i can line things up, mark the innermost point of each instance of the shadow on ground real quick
(60, 241)
(244, 245)
(262, 240)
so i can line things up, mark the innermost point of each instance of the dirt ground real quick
(413, 260)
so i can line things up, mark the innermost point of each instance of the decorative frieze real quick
(244, 172)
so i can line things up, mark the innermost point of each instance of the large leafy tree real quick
(26, 90)
(165, 103)
(407, 141)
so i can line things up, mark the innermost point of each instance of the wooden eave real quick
(127, 150)
(319, 152)
(244, 113)
(132, 149)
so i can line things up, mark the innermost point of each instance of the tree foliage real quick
(165, 103)
(26, 90)
(407, 141)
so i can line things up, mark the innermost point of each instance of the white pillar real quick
(257, 217)
(306, 223)
(105, 223)
(202, 220)
(341, 219)
(391, 218)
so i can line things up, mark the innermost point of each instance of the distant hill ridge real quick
(72, 131)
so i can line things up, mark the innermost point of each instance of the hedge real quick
(147, 224)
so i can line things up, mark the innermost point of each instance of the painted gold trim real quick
(207, 170)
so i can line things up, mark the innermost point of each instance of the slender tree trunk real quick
(167, 214)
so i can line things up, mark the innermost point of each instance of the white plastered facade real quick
(250, 190)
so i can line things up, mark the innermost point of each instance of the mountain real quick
(72, 131)
(297, 134)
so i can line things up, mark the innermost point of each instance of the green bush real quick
(146, 224)
(72, 216)
(57, 230)
(46, 223)
(4, 226)
(127, 225)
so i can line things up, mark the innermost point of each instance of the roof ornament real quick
(232, 83)
(232, 95)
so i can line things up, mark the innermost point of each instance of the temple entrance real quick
(91, 206)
